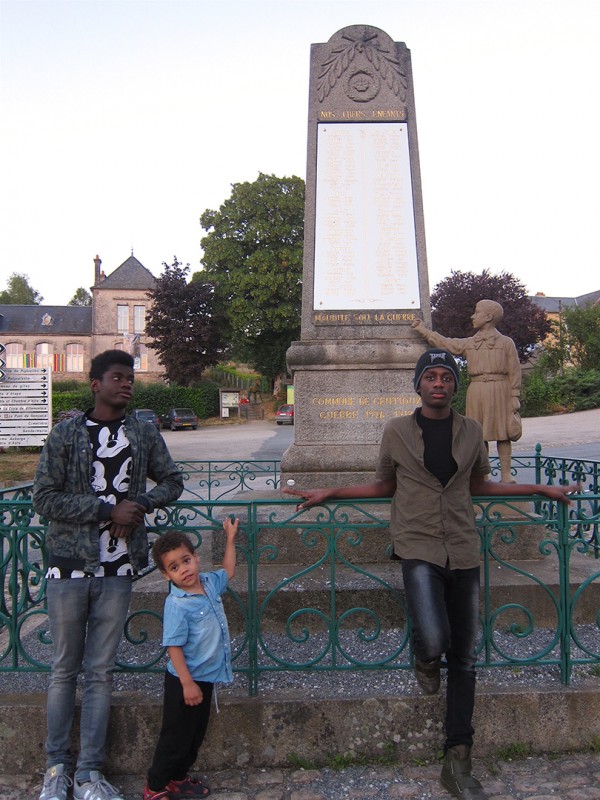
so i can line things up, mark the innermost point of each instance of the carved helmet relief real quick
(364, 61)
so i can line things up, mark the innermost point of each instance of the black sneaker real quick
(456, 774)
(427, 674)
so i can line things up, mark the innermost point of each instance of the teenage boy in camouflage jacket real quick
(91, 486)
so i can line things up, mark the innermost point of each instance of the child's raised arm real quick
(230, 526)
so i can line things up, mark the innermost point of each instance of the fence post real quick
(564, 553)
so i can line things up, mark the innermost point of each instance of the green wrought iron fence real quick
(315, 589)
(219, 480)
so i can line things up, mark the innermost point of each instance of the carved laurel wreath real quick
(342, 57)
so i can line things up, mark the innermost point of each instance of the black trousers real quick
(181, 734)
(444, 606)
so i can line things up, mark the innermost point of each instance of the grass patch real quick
(595, 745)
(341, 761)
(17, 465)
(513, 752)
(297, 762)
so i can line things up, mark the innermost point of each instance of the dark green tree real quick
(81, 298)
(19, 292)
(575, 340)
(186, 330)
(253, 255)
(453, 301)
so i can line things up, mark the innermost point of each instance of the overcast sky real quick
(121, 121)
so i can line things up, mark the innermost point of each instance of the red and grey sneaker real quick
(188, 787)
(162, 794)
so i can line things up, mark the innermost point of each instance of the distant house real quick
(66, 338)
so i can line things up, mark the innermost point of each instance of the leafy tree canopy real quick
(453, 301)
(187, 332)
(575, 340)
(81, 298)
(253, 255)
(19, 292)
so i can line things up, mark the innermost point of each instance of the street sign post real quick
(25, 406)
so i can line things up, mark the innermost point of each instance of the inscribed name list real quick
(365, 243)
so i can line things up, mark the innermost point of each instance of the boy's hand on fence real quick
(230, 526)
(561, 493)
(313, 497)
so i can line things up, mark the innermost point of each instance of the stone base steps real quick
(270, 731)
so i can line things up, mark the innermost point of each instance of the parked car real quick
(176, 418)
(285, 415)
(147, 415)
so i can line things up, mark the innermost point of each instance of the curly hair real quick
(167, 542)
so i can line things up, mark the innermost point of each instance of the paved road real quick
(573, 435)
(260, 440)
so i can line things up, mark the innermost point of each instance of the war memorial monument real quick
(365, 264)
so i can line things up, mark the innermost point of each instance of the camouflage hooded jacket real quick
(63, 494)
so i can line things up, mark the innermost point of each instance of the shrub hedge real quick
(203, 399)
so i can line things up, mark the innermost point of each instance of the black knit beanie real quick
(435, 358)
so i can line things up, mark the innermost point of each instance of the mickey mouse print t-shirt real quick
(112, 470)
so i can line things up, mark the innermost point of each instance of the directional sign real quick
(2, 349)
(25, 406)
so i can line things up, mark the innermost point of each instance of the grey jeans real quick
(86, 617)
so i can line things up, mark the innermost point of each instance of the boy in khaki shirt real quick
(431, 463)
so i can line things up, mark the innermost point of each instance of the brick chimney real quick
(97, 262)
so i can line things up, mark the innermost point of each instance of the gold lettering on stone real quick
(333, 401)
(388, 113)
(395, 401)
(338, 414)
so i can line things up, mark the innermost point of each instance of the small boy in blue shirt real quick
(196, 635)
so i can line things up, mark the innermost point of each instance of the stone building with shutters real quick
(66, 338)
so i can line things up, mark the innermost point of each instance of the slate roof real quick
(553, 305)
(63, 320)
(132, 274)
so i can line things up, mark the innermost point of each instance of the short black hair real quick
(167, 542)
(104, 361)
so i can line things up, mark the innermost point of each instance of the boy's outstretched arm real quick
(482, 488)
(230, 526)
(376, 488)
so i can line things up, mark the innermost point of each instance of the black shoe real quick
(456, 774)
(427, 674)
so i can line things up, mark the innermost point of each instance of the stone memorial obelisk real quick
(365, 266)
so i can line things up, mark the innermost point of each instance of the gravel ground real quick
(346, 683)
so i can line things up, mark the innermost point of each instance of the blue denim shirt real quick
(197, 623)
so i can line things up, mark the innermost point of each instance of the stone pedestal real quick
(345, 393)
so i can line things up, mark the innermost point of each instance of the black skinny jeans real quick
(444, 606)
(181, 734)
